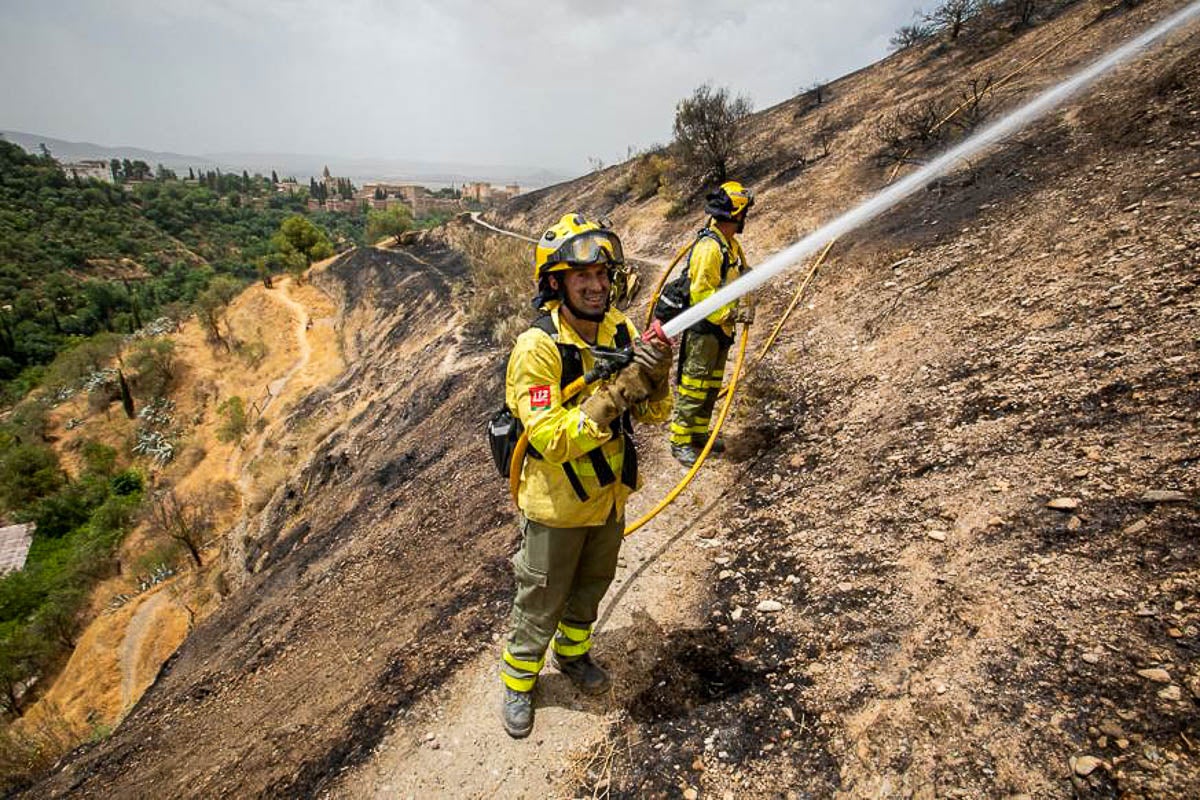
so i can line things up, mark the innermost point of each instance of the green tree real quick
(298, 243)
(28, 472)
(154, 361)
(211, 305)
(22, 656)
(233, 423)
(391, 222)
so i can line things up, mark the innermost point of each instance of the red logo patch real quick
(539, 397)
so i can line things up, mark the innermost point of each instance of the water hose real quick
(891, 196)
(712, 437)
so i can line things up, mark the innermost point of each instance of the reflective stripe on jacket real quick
(564, 433)
(704, 269)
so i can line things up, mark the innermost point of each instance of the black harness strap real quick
(572, 369)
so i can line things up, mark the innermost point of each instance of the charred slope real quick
(356, 594)
(972, 500)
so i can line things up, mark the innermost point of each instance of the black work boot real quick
(586, 674)
(685, 454)
(718, 446)
(517, 713)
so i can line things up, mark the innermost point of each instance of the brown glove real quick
(655, 361)
(604, 405)
(744, 314)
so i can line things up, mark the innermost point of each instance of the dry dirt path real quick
(131, 647)
(452, 744)
(475, 217)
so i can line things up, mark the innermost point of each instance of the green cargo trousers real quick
(562, 575)
(701, 370)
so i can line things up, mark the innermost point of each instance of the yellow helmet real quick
(576, 242)
(729, 202)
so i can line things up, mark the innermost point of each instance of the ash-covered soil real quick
(958, 552)
(964, 559)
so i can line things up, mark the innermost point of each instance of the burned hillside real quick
(953, 550)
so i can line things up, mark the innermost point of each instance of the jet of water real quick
(884, 200)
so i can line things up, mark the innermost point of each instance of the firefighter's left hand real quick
(654, 360)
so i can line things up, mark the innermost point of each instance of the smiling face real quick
(586, 290)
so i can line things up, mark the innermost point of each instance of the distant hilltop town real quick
(331, 193)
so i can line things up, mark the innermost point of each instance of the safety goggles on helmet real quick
(585, 249)
(742, 199)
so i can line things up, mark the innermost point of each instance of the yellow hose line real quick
(792, 305)
(1058, 43)
(712, 437)
(812, 271)
(662, 281)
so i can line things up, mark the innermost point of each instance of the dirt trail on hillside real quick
(452, 744)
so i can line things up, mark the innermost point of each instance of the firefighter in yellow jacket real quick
(716, 258)
(582, 466)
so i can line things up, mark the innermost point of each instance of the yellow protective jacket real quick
(563, 433)
(704, 271)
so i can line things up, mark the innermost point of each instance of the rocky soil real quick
(953, 551)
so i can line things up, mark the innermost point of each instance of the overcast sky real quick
(505, 82)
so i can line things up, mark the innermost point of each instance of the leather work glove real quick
(603, 405)
(655, 360)
(744, 314)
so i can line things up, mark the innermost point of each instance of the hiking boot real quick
(586, 674)
(685, 454)
(517, 713)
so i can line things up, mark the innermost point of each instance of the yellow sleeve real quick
(533, 394)
(704, 269)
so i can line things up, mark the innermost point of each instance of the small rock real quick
(1091, 658)
(1085, 765)
(845, 586)
(698, 764)
(1074, 523)
(736, 614)
(940, 687)
(1174, 633)
(1064, 503)
(1136, 527)
(631, 647)
(770, 606)
(724, 574)
(995, 522)
(1080, 473)
(1157, 496)
(937, 536)
(1171, 693)
(1156, 675)
(690, 794)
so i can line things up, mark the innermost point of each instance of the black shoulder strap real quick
(572, 368)
(572, 361)
(726, 256)
(623, 338)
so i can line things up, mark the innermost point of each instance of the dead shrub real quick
(495, 299)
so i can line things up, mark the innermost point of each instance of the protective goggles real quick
(585, 249)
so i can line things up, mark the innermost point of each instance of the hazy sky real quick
(506, 82)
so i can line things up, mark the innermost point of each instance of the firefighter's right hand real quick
(603, 405)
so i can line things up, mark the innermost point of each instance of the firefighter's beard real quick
(590, 316)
